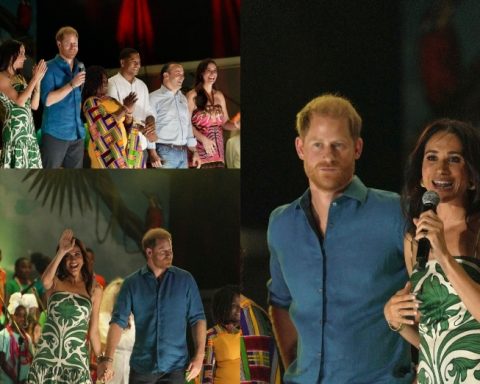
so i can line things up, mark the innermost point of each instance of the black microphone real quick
(430, 200)
(26, 289)
(81, 68)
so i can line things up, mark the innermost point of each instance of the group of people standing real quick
(124, 124)
(346, 289)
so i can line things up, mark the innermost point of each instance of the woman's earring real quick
(471, 187)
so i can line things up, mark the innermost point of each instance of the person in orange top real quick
(221, 364)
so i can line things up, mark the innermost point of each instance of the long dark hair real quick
(86, 271)
(413, 191)
(222, 303)
(93, 80)
(9, 52)
(201, 99)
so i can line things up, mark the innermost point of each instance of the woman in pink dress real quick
(209, 115)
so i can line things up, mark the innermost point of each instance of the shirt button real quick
(334, 203)
(320, 290)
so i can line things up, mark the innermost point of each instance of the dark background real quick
(291, 53)
(294, 51)
(183, 30)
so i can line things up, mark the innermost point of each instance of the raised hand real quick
(66, 242)
(39, 71)
(130, 100)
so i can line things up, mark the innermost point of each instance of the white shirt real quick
(172, 118)
(119, 88)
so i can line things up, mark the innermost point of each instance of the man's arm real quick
(104, 366)
(285, 334)
(199, 335)
(59, 94)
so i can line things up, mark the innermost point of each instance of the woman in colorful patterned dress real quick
(444, 295)
(20, 148)
(115, 141)
(72, 313)
(209, 115)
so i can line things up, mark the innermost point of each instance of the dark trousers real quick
(174, 377)
(58, 153)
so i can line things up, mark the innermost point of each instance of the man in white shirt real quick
(173, 125)
(124, 82)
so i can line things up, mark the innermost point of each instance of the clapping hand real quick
(130, 100)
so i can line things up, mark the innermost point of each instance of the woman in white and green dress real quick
(19, 144)
(443, 295)
(72, 313)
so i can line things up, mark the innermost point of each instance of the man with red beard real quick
(336, 257)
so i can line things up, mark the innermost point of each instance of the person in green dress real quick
(438, 311)
(73, 307)
(19, 144)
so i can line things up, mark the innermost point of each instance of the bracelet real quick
(102, 358)
(398, 329)
(71, 85)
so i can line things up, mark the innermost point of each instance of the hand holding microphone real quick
(430, 200)
(79, 78)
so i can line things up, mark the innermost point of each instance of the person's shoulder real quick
(383, 196)
(180, 272)
(285, 210)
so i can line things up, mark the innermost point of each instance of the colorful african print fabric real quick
(20, 147)
(259, 354)
(449, 335)
(62, 355)
(111, 144)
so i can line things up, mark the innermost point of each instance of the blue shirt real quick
(172, 118)
(62, 119)
(335, 287)
(162, 310)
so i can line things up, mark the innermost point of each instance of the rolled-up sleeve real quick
(123, 306)
(195, 307)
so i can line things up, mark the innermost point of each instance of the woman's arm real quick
(404, 303)
(429, 225)
(228, 124)
(93, 329)
(20, 98)
(65, 245)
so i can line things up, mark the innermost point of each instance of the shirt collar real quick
(146, 270)
(355, 190)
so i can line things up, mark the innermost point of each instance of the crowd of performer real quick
(120, 123)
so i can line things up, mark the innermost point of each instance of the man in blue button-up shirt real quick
(163, 299)
(62, 128)
(336, 258)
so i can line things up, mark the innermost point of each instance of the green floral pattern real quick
(62, 356)
(449, 335)
(20, 146)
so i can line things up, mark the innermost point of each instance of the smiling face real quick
(444, 169)
(328, 152)
(210, 74)
(173, 78)
(130, 66)
(74, 261)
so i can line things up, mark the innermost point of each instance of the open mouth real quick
(442, 184)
